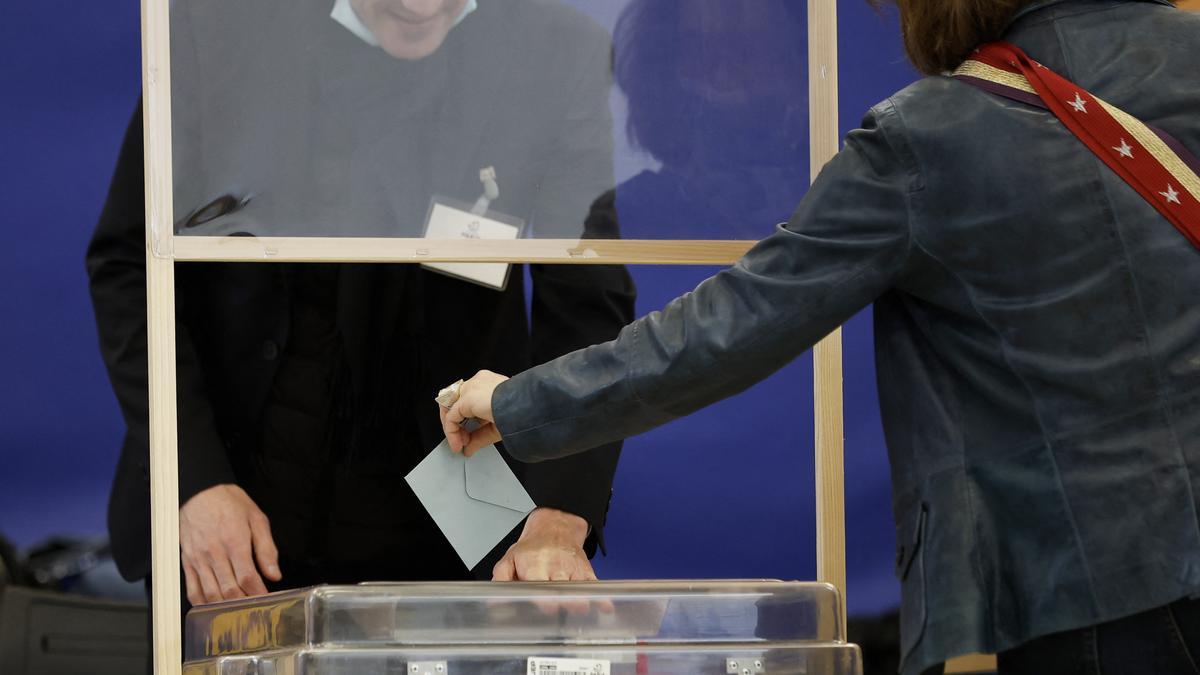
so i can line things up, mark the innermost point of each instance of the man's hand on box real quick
(550, 549)
(225, 543)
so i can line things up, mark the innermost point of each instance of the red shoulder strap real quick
(1149, 159)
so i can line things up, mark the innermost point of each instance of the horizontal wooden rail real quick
(385, 249)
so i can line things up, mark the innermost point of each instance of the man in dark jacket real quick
(305, 391)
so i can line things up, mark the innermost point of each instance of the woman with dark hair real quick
(1026, 222)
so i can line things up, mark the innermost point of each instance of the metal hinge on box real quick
(428, 668)
(748, 665)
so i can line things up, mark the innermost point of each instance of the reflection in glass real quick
(358, 117)
(353, 118)
(717, 94)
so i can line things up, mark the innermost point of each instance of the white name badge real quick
(449, 222)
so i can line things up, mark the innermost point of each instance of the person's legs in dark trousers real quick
(1162, 641)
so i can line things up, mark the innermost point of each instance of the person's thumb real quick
(265, 553)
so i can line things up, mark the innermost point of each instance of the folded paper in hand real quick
(475, 501)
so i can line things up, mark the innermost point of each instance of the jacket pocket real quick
(910, 570)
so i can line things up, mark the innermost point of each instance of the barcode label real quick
(546, 666)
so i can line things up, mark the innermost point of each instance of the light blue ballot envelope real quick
(475, 501)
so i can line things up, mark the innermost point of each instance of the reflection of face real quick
(409, 29)
(741, 69)
(732, 51)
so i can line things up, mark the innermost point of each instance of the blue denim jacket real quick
(1037, 336)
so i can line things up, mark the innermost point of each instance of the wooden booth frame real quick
(163, 250)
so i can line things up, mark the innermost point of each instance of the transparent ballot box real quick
(561, 628)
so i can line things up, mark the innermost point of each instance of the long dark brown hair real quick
(940, 34)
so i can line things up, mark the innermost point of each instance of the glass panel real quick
(613, 613)
(488, 119)
(704, 485)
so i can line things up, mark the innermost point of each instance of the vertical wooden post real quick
(827, 356)
(160, 317)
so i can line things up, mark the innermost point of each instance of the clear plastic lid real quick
(725, 659)
(480, 613)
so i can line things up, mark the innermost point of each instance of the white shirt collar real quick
(344, 14)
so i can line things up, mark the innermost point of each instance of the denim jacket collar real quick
(1043, 4)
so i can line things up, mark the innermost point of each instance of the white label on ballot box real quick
(447, 222)
(547, 666)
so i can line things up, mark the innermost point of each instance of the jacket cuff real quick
(507, 415)
(595, 517)
(203, 463)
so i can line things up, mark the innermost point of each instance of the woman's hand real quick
(474, 403)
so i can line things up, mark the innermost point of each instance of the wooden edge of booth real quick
(415, 250)
(972, 663)
(827, 355)
(160, 321)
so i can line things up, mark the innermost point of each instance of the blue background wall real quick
(69, 76)
(727, 493)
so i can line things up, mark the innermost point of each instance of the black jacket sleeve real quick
(116, 266)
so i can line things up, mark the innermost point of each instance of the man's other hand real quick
(550, 549)
(225, 542)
